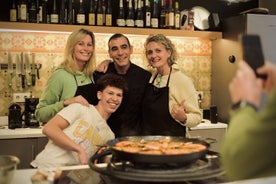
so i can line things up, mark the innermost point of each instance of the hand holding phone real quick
(252, 52)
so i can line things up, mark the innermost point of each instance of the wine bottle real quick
(108, 13)
(130, 15)
(42, 11)
(121, 16)
(162, 16)
(63, 12)
(71, 12)
(13, 11)
(139, 21)
(147, 14)
(176, 15)
(92, 13)
(100, 13)
(32, 12)
(54, 16)
(22, 11)
(81, 14)
(155, 15)
(170, 16)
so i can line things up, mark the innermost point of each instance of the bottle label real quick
(40, 13)
(148, 18)
(91, 18)
(100, 19)
(171, 19)
(154, 22)
(54, 18)
(121, 22)
(108, 20)
(13, 17)
(130, 23)
(177, 21)
(139, 23)
(22, 13)
(80, 19)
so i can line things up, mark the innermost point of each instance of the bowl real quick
(8, 164)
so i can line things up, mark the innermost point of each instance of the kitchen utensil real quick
(28, 70)
(10, 68)
(23, 71)
(8, 164)
(18, 71)
(33, 70)
(157, 158)
(201, 16)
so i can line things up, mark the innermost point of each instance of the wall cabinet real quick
(25, 149)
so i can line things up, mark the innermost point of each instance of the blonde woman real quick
(72, 82)
(170, 102)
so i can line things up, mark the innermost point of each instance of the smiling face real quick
(157, 54)
(110, 98)
(83, 50)
(120, 51)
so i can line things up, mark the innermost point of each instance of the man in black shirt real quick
(126, 120)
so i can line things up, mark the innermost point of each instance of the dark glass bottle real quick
(120, 21)
(63, 12)
(22, 11)
(92, 13)
(42, 11)
(54, 16)
(13, 11)
(130, 15)
(81, 14)
(100, 13)
(162, 16)
(139, 21)
(176, 15)
(32, 12)
(155, 15)
(147, 14)
(170, 16)
(71, 12)
(108, 13)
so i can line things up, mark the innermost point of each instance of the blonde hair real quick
(169, 46)
(69, 63)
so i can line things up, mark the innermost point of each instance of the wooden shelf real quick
(109, 30)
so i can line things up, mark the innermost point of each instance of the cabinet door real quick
(41, 142)
(217, 134)
(24, 148)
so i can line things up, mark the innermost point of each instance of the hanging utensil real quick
(33, 70)
(18, 70)
(10, 69)
(23, 71)
(28, 70)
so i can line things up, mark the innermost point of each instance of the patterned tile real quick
(194, 59)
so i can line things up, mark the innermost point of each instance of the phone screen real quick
(252, 52)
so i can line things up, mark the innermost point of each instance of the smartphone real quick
(252, 52)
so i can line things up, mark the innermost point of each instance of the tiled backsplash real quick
(194, 59)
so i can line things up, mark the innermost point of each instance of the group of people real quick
(84, 108)
(162, 103)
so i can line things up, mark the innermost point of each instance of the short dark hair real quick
(113, 80)
(118, 35)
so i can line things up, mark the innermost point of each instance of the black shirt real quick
(127, 118)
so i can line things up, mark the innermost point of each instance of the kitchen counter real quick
(206, 124)
(6, 133)
(24, 176)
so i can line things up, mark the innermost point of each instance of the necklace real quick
(159, 81)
